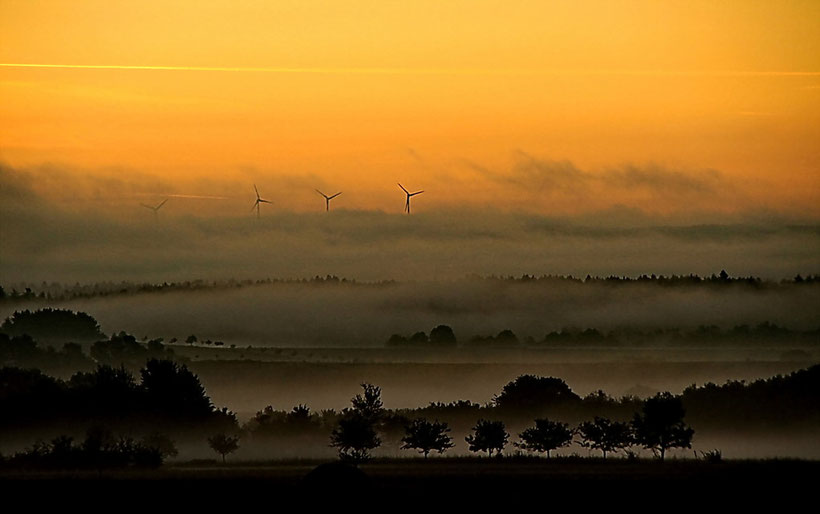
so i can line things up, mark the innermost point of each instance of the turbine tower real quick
(257, 202)
(409, 194)
(328, 199)
(155, 209)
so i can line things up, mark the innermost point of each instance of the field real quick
(456, 479)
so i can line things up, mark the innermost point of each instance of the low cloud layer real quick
(89, 242)
(344, 315)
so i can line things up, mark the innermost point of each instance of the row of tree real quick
(658, 427)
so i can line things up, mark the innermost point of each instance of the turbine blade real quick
(161, 204)
(255, 204)
(263, 201)
(416, 193)
(321, 193)
(147, 206)
(334, 196)
(402, 188)
(257, 191)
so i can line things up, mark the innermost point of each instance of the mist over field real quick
(364, 315)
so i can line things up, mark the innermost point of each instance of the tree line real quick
(55, 291)
(61, 292)
(169, 403)
(743, 335)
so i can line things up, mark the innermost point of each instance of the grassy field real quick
(457, 477)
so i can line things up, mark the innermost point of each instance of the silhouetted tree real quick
(174, 390)
(506, 337)
(396, 340)
(418, 338)
(545, 436)
(529, 392)
(369, 403)
(660, 426)
(443, 335)
(605, 435)
(223, 444)
(488, 436)
(191, 339)
(426, 436)
(299, 416)
(354, 436)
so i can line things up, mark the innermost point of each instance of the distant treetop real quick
(531, 392)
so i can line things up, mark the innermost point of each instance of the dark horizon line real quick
(31, 290)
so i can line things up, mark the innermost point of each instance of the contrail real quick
(199, 196)
(431, 71)
(205, 197)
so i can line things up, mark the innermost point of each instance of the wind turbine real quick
(409, 194)
(328, 199)
(257, 202)
(155, 209)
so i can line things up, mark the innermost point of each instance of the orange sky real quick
(467, 100)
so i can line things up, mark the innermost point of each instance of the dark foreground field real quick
(456, 479)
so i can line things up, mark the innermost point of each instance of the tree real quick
(223, 444)
(531, 392)
(489, 436)
(424, 436)
(354, 436)
(418, 338)
(174, 391)
(545, 436)
(605, 435)
(369, 403)
(660, 426)
(191, 339)
(506, 337)
(396, 340)
(443, 335)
